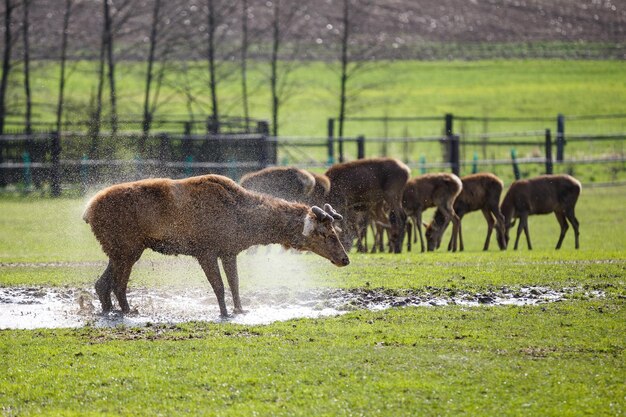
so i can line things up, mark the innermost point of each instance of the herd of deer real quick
(380, 194)
(211, 217)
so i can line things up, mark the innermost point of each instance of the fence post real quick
(187, 144)
(560, 137)
(515, 166)
(270, 147)
(449, 124)
(3, 181)
(453, 152)
(84, 174)
(475, 163)
(549, 169)
(164, 143)
(265, 152)
(27, 174)
(340, 142)
(331, 140)
(56, 165)
(422, 164)
(212, 126)
(360, 147)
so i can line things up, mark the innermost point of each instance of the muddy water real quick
(30, 308)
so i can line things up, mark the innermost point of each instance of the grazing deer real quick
(208, 217)
(362, 185)
(432, 190)
(319, 194)
(289, 183)
(480, 192)
(544, 194)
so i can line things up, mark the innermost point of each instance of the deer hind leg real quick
(461, 248)
(450, 215)
(526, 232)
(500, 229)
(212, 272)
(520, 227)
(121, 269)
(456, 230)
(560, 216)
(490, 224)
(418, 225)
(409, 231)
(571, 216)
(104, 287)
(230, 269)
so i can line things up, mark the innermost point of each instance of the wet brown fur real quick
(208, 217)
(290, 183)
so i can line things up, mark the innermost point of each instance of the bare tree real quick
(244, 60)
(108, 41)
(147, 114)
(96, 116)
(211, 28)
(28, 127)
(358, 51)
(64, 35)
(283, 24)
(6, 59)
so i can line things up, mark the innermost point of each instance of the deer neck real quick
(282, 223)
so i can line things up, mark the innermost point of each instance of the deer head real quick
(320, 236)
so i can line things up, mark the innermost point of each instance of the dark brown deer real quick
(208, 217)
(319, 194)
(480, 192)
(544, 194)
(363, 184)
(289, 183)
(432, 190)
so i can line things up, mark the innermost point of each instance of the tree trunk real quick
(111, 61)
(6, 61)
(344, 65)
(215, 126)
(244, 61)
(66, 23)
(28, 127)
(97, 114)
(147, 113)
(274, 66)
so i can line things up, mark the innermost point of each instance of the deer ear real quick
(309, 226)
(425, 224)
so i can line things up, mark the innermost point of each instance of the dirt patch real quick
(30, 308)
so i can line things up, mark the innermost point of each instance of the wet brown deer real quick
(208, 217)
(289, 183)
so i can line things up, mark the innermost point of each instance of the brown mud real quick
(41, 307)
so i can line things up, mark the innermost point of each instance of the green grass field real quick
(498, 88)
(559, 359)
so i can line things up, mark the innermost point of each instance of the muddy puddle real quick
(30, 308)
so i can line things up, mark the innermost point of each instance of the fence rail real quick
(46, 157)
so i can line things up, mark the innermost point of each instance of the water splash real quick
(30, 308)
